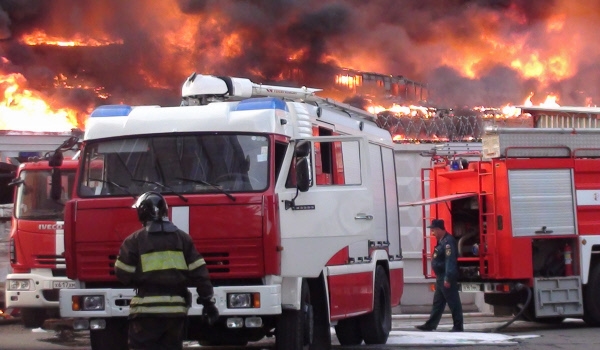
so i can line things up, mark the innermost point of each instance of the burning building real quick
(61, 58)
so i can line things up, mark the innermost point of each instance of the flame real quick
(348, 81)
(550, 101)
(589, 102)
(531, 53)
(411, 110)
(26, 110)
(510, 111)
(528, 102)
(64, 82)
(38, 37)
(553, 67)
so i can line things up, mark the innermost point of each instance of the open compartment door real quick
(429, 241)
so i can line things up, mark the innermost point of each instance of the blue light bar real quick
(253, 104)
(111, 111)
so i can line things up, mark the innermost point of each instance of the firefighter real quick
(444, 264)
(160, 262)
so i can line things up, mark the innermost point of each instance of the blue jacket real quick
(444, 262)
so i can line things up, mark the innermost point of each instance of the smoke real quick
(469, 52)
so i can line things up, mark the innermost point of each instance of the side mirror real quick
(69, 143)
(56, 159)
(56, 185)
(302, 175)
(302, 149)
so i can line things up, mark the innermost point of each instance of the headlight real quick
(243, 300)
(19, 285)
(92, 302)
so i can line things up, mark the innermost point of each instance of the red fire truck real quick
(36, 240)
(526, 216)
(291, 199)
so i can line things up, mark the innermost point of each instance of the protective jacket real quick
(444, 262)
(160, 262)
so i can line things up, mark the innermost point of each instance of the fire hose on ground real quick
(518, 288)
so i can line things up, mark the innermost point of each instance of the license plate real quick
(469, 287)
(63, 284)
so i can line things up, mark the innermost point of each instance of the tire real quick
(591, 302)
(113, 337)
(294, 327)
(348, 331)
(33, 317)
(376, 325)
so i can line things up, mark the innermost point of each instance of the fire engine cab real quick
(291, 199)
(526, 216)
(36, 239)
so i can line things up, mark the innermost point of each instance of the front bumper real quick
(116, 301)
(42, 293)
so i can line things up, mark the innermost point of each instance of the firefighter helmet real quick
(151, 206)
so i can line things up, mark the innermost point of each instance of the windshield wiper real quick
(202, 182)
(163, 186)
(15, 182)
(121, 187)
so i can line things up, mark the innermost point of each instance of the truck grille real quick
(240, 258)
(235, 258)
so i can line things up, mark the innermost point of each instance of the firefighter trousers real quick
(156, 333)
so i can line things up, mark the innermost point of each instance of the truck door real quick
(336, 211)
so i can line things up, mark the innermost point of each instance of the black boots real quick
(424, 327)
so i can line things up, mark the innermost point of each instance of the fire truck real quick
(525, 212)
(290, 197)
(36, 239)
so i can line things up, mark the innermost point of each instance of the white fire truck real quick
(526, 217)
(291, 199)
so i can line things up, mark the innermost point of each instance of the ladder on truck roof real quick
(202, 89)
(540, 142)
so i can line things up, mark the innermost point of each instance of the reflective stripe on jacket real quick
(158, 305)
(161, 265)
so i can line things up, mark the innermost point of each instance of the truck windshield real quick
(207, 163)
(33, 200)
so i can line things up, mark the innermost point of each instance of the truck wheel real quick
(294, 327)
(33, 317)
(376, 325)
(113, 337)
(348, 331)
(591, 302)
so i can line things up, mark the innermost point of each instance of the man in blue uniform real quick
(444, 264)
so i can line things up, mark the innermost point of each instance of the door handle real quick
(362, 216)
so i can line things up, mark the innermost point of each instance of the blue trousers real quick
(441, 297)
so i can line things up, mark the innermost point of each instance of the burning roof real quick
(64, 57)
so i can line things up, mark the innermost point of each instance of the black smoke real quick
(300, 41)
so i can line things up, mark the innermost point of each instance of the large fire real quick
(62, 58)
(23, 109)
